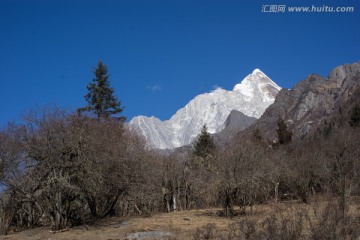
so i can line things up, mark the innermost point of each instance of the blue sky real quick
(161, 54)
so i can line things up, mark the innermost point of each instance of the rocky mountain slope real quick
(309, 103)
(251, 97)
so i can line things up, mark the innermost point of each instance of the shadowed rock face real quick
(310, 102)
(236, 122)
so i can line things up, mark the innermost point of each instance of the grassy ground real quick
(179, 223)
(183, 224)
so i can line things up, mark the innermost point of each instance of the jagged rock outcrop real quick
(310, 102)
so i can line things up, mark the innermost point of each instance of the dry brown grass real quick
(183, 224)
(179, 223)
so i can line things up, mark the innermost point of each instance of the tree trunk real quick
(59, 220)
(109, 210)
(276, 191)
(174, 203)
(91, 201)
(345, 197)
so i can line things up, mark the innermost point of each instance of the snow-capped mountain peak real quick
(258, 82)
(251, 97)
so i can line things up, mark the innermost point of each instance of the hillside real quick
(311, 102)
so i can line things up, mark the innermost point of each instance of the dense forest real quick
(62, 169)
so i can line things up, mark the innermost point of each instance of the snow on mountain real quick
(251, 97)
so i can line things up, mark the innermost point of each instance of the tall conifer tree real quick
(284, 135)
(204, 146)
(355, 116)
(101, 99)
